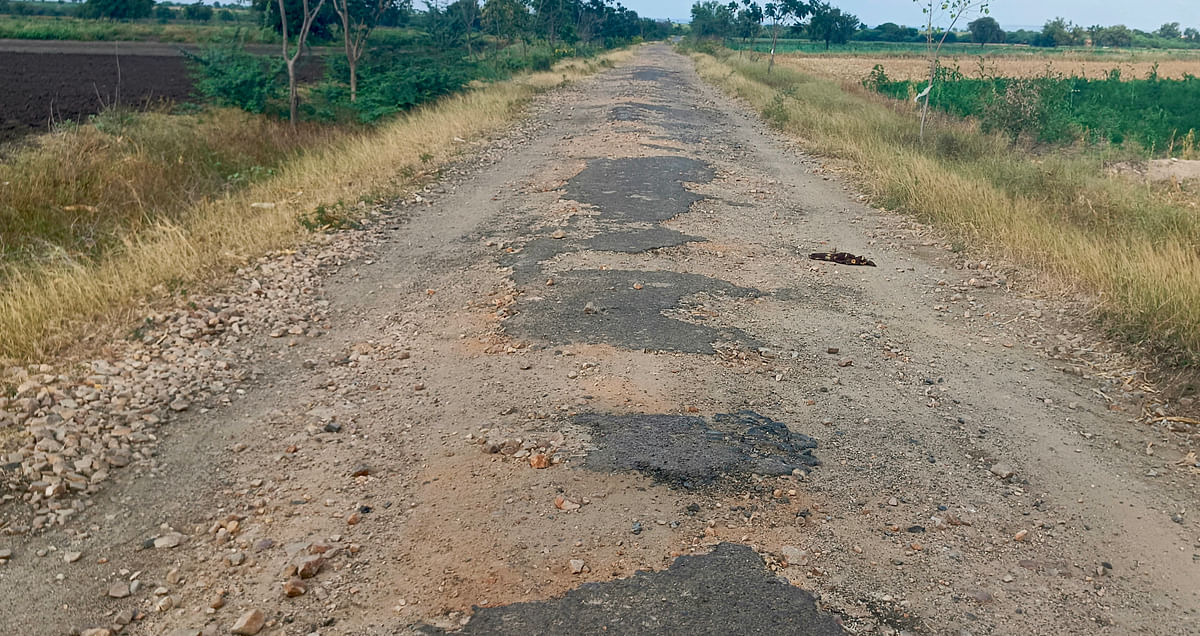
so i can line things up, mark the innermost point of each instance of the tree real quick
(831, 25)
(748, 23)
(1116, 35)
(505, 19)
(941, 11)
(985, 30)
(322, 26)
(466, 13)
(1059, 32)
(359, 18)
(198, 12)
(783, 13)
(1191, 35)
(1169, 31)
(117, 9)
(308, 16)
(711, 19)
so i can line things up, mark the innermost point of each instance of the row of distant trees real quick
(1060, 32)
(478, 26)
(823, 22)
(747, 20)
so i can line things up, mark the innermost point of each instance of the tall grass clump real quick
(1134, 247)
(77, 193)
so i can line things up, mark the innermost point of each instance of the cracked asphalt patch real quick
(640, 240)
(633, 197)
(688, 452)
(621, 315)
(647, 189)
(728, 591)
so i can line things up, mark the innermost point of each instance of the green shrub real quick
(199, 12)
(117, 9)
(231, 77)
(388, 84)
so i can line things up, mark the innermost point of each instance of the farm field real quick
(1134, 65)
(50, 82)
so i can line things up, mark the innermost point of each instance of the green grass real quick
(1153, 113)
(1132, 247)
(918, 49)
(69, 28)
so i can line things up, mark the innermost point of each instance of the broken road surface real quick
(591, 382)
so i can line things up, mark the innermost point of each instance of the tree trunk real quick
(353, 80)
(293, 94)
(774, 38)
(928, 94)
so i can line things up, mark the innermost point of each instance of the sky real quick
(1011, 14)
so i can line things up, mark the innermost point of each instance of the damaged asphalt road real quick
(591, 382)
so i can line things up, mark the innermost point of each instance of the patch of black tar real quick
(728, 591)
(639, 240)
(689, 452)
(656, 75)
(634, 111)
(624, 316)
(648, 189)
(632, 197)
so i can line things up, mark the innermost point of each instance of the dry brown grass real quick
(855, 68)
(45, 309)
(79, 191)
(1133, 247)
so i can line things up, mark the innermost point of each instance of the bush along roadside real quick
(390, 80)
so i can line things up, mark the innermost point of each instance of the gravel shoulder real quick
(598, 345)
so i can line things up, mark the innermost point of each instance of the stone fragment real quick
(71, 557)
(169, 540)
(118, 589)
(1020, 536)
(981, 596)
(577, 566)
(794, 555)
(539, 460)
(249, 624)
(309, 566)
(294, 587)
(562, 503)
(1001, 470)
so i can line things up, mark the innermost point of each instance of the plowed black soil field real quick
(41, 88)
(42, 83)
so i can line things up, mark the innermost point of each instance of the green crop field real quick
(909, 49)
(1158, 115)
